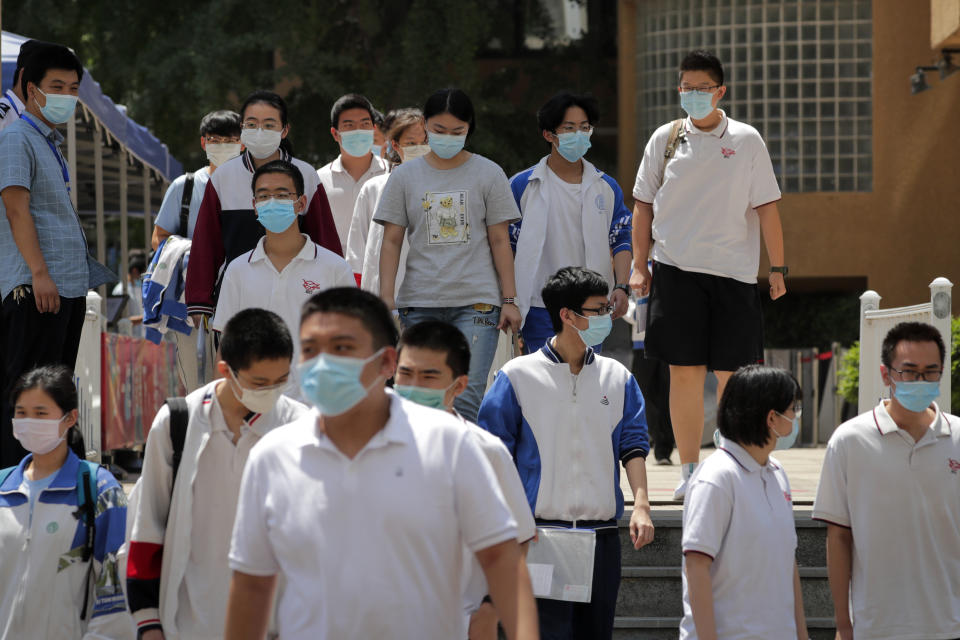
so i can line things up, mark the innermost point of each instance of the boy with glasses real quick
(705, 192)
(890, 495)
(573, 214)
(569, 418)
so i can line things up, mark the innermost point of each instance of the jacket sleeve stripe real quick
(144, 560)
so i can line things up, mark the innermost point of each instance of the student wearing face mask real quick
(177, 573)
(407, 137)
(227, 223)
(454, 207)
(740, 577)
(62, 523)
(286, 267)
(570, 419)
(353, 125)
(573, 214)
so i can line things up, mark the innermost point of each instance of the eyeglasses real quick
(276, 195)
(569, 128)
(600, 311)
(222, 139)
(797, 412)
(267, 125)
(704, 89)
(910, 375)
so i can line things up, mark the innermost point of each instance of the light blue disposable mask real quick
(787, 441)
(358, 142)
(598, 329)
(332, 383)
(59, 107)
(916, 396)
(276, 215)
(573, 146)
(376, 150)
(433, 398)
(444, 145)
(697, 104)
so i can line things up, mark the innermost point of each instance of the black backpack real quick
(179, 419)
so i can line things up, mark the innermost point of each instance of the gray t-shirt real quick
(446, 214)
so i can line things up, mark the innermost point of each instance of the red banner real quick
(137, 377)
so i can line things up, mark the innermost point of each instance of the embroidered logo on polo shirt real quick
(727, 153)
(52, 527)
(954, 465)
(604, 401)
(310, 286)
(786, 494)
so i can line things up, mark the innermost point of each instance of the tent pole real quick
(72, 159)
(124, 244)
(98, 195)
(147, 226)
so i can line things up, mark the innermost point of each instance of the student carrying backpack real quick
(66, 581)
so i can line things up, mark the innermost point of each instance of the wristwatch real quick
(782, 270)
(623, 287)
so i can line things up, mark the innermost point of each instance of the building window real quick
(800, 71)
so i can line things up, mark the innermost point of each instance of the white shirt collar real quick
(308, 252)
(397, 430)
(940, 426)
(376, 166)
(716, 132)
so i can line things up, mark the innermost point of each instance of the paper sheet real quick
(541, 577)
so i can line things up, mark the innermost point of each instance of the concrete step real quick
(625, 628)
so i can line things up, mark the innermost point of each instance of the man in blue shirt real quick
(45, 267)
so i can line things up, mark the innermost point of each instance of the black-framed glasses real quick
(569, 128)
(708, 89)
(911, 375)
(600, 311)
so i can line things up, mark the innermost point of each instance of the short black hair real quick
(57, 382)
(279, 166)
(377, 118)
(26, 50)
(136, 260)
(552, 112)
(262, 96)
(253, 335)
(701, 60)
(443, 337)
(356, 303)
(46, 56)
(569, 288)
(749, 395)
(453, 101)
(224, 123)
(350, 101)
(910, 332)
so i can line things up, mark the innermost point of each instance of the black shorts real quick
(702, 319)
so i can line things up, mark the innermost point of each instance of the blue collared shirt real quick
(27, 160)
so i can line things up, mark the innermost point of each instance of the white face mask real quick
(219, 153)
(257, 400)
(261, 144)
(415, 151)
(39, 436)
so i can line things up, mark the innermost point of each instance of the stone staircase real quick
(650, 603)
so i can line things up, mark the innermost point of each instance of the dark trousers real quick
(560, 620)
(31, 339)
(653, 376)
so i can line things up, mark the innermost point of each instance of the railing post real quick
(869, 352)
(87, 375)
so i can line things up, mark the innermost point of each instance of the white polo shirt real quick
(342, 191)
(370, 547)
(703, 208)
(901, 500)
(360, 223)
(741, 514)
(251, 280)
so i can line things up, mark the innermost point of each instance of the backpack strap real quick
(185, 204)
(87, 513)
(677, 136)
(179, 419)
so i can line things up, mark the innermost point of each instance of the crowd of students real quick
(347, 472)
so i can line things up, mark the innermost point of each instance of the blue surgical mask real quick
(444, 145)
(787, 441)
(573, 146)
(697, 104)
(59, 107)
(597, 331)
(916, 396)
(357, 143)
(332, 383)
(276, 215)
(433, 398)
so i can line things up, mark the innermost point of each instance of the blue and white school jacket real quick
(42, 574)
(567, 432)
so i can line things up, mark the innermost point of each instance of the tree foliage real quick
(171, 61)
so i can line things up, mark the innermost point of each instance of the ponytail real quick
(75, 442)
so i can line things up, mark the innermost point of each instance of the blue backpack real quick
(86, 512)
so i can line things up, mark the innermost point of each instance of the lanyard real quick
(53, 148)
(13, 103)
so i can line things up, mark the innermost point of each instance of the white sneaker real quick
(680, 491)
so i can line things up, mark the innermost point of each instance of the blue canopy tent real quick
(117, 167)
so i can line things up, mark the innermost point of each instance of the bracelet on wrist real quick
(510, 301)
